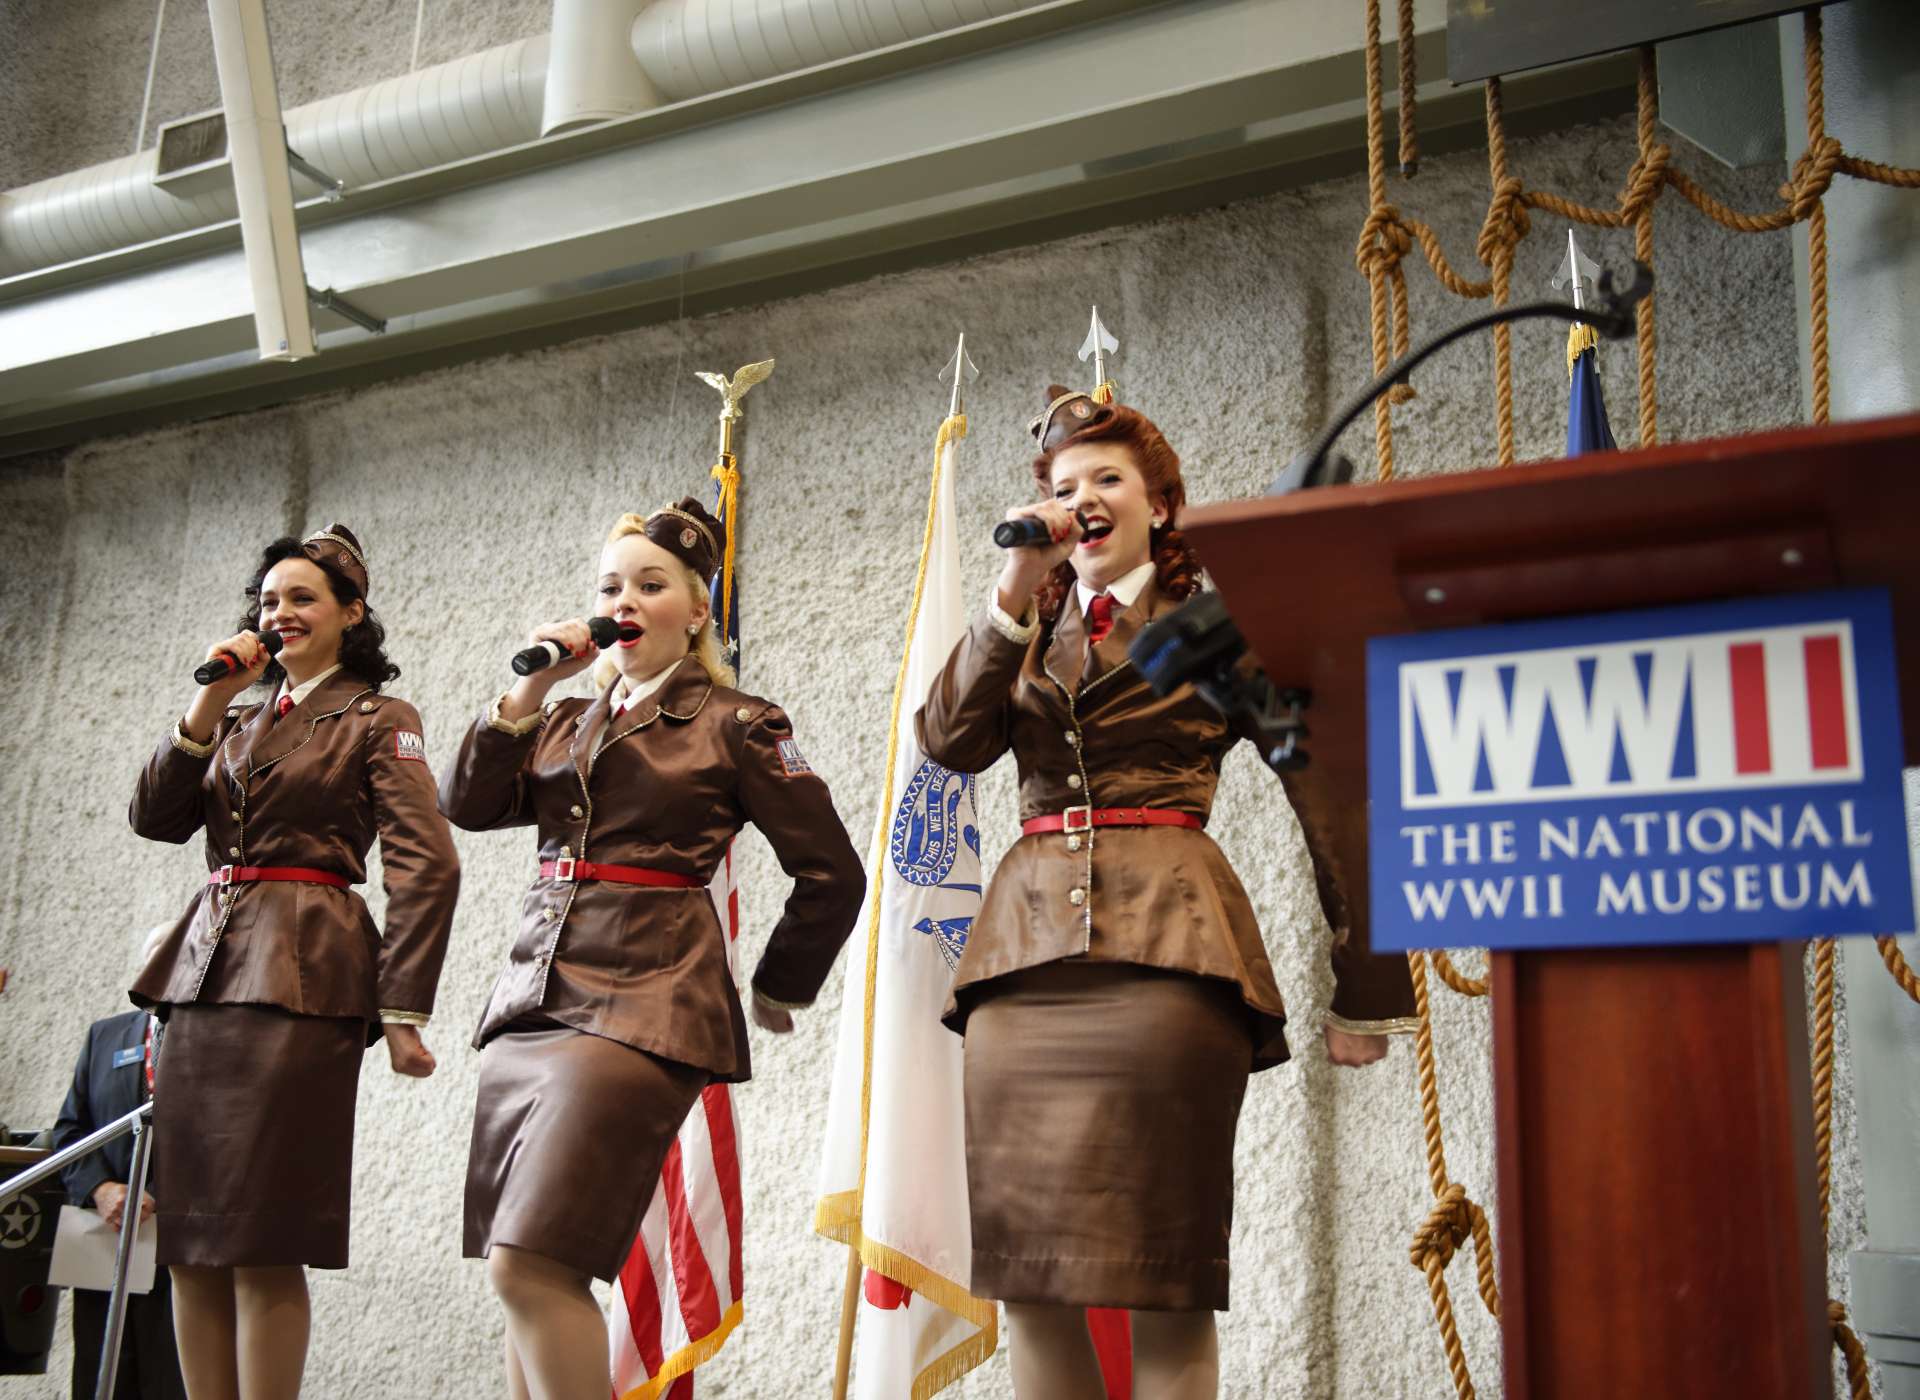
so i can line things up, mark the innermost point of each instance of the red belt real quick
(247, 874)
(1086, 818)
(568, 870)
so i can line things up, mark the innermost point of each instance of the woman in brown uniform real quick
(275, 980)
(1115, 991)
(617, 1005)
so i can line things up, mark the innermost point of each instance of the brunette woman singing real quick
(275, 980)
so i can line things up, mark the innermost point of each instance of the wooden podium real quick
(1659, 1226)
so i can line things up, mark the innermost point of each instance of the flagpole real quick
(849, 1306)
(962, 370)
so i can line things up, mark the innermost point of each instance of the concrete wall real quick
(482, 494)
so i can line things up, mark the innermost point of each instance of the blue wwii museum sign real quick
(1727, 772)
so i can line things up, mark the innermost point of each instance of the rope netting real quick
(1386, 238)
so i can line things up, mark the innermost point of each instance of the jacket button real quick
(1073, 781)
(1073, 843)
(1076, 897)
(366, 707)
(1072, 738)
(566, 853)
(576, 810)
(743, 714)
(234, 851)
(236, 816)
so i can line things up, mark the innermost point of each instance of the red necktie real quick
(280, 710)
(1099, 618)
(146, 1054)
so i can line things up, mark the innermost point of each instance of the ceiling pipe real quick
(592, 73)
(483, 102)
(690, 48)
(606, 59)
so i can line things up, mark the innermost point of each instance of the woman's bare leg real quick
(554, 1325)
(516, 1373)
(203, 1330)
(1176, 1356)
(1052, 1354)
(274, 1318)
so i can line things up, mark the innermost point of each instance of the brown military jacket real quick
(311, 789)
(664, 786)
(1087, 729)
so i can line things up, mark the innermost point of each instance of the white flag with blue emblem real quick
(893, 1176)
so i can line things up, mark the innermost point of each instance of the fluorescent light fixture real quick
(257, 148)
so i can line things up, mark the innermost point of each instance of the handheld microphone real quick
(604, 631)
(1028, 530)
(224, 665)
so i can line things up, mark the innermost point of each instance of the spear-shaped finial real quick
(1577, 271)
(962, 371)
(1099, 344)
(731, 392)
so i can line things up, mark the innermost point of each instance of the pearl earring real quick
(693, 629)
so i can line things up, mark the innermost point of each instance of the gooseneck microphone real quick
(604, 631)
(219, 667)
(1028, 530)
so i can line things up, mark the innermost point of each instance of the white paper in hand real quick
(84, 1247)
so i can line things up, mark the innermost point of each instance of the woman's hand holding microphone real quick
(210, 702)
(1027, 566)
(530, 692)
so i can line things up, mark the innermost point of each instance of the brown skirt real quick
(568, 1138)
(253, 1136)
(1101, 1105)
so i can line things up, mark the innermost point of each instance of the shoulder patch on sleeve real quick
(790, 759)
(407, 744)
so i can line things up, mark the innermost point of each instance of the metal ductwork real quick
(484, 102)
(922, 150)
(690, 48)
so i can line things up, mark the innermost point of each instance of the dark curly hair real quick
(1176, 568)
(363, 646)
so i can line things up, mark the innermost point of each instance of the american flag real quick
(678, 1295)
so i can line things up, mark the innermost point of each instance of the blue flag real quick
(1587, 429)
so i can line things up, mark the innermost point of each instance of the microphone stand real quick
(1197, 644)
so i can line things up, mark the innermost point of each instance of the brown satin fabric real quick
(253, 1106)
(1102, 1101)
(665, 786)
(568, 1138)
(1155, 896)
(313, 789)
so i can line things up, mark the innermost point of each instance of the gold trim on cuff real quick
(190, 747)
(402, 1018)
(1392, 1025)
(777, 1005)
(518, 728)
(1019, 633)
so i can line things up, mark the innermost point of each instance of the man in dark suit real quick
(112, 1079)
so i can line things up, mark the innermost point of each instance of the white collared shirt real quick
(634, 694)
(304, 689)
(1124, 589)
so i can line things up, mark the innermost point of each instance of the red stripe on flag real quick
(681, 1389)
(1752, 744)
(718, 1099)
(642, 1292)
(1112, 1333)
(698, 1304)
(1826, 702)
